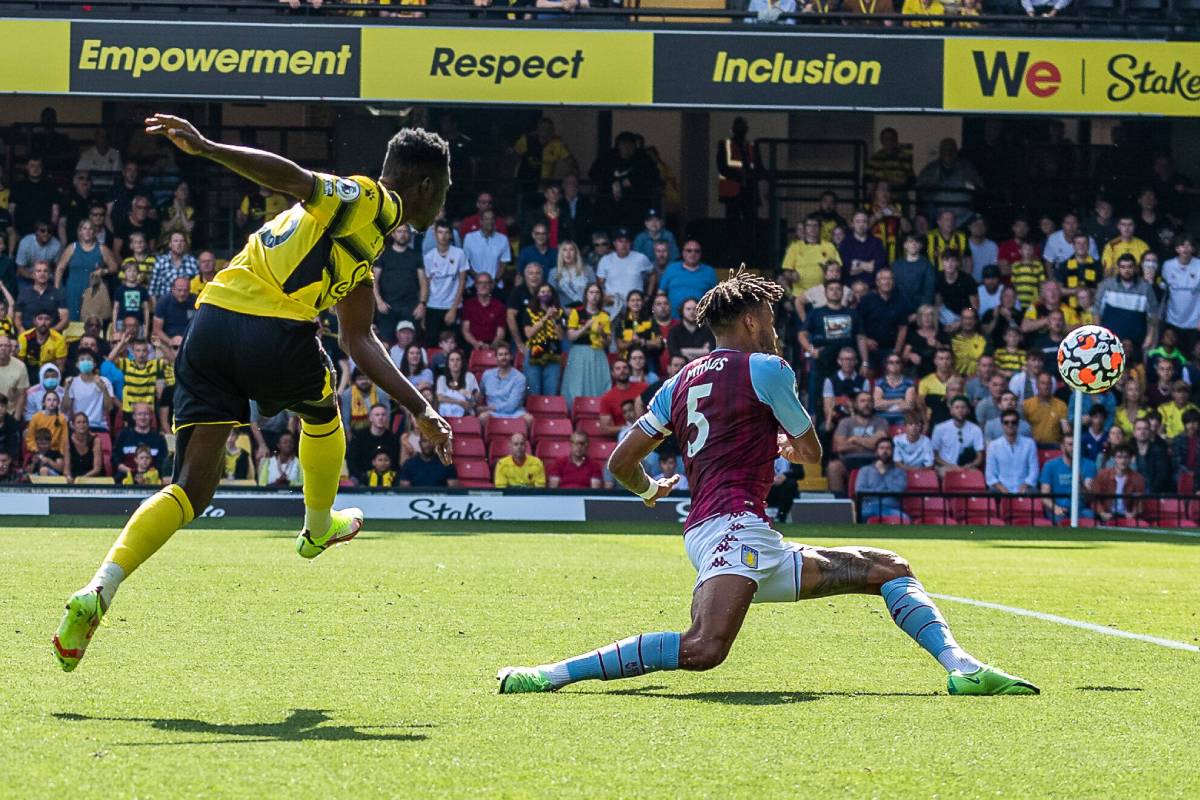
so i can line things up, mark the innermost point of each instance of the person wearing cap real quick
(689, 277)
(620, 272)
(653, 233)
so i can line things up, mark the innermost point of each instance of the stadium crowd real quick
(924, 339)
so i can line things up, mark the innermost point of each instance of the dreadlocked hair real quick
(415, 147)
(734, 296)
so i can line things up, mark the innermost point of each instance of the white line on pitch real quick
(1155, 531)
(1074, 623)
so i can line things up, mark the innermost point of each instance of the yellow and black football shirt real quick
(936, 245)
(312, 255)
(141, 381)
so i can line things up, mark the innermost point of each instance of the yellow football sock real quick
(150, 526)
(322, 450)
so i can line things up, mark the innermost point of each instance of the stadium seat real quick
(503, 427)
(982, 511)
(1187, 483)
(1129, 522)
(549, 450)
(469, 447)
(923, 481)
(1042, 522)
(473, 474)
(935, 520)
(887, 521)
(552, 428)
(964, 481)
(585, 407)
(1084, 522)
(464, 426)
(498, 448)
(1047, 455)
(851, 482)
(481, 359)
(591, 426)
(925, 507)
(1020, 510)
(546, 405)
(601, 449)
(106, 447)
(1169, 512)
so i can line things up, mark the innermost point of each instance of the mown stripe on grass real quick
(1074, 623)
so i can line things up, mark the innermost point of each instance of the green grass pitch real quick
(232, 668)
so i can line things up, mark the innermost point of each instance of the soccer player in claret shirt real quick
(733, 411)
(255, 337)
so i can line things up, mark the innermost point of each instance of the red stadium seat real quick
(895, 430)
(1129, 522)
(549, 450)
(591, 426)
(1042, 522)
(1169, 512)
(585, 407)
(851, 480)
(1047, 455)
(886, 521)
(964, 481)
(546, 405)
(1020, 510)
(504, 427)
(1084, 522)
(935, 520)
(106, 447)
(464, 426)
(473, 474)
(1187, 482)
(981, 511)
(481, 359)
(498, 448)
(925, 507)
(601, 449)
(923, 481)
(552, 428)
(469, 447)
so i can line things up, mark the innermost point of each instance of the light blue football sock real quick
(914, 612)
(628, 658)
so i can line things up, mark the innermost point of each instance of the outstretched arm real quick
(274, 172)
(355, 314)
(625, 464)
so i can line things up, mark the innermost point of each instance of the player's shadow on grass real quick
(301, 725)
(769, 698)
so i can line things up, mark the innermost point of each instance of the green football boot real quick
(988, 681)
(345, 526)
(523, 680)
(82, 615)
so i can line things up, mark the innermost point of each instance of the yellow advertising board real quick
(36, 56)
(1077, 77)
(500, 65)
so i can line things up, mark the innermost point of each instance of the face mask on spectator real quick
(50, 384)
(86, 365)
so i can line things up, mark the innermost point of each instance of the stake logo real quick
(1040, 78)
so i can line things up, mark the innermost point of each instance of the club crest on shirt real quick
(749, 557)
(347, 190)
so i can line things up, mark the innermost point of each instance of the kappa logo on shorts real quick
(723, 546)
(750, 557)
(719, 561)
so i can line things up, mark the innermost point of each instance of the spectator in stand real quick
(988, 408)
(923, 8)
(43, 460)
(635, 328)
(955, 290)
(571, 275)
(77, 206)
(1182, 279)
(946, 238)
(575, 215)
(862, 254)
(83, 459)
(542, 151)
(283, 467)
(520, 470)
(1047, 414)
(457, 390)
(51, 420)
(1126, 243)
(9, 471)
(772, 11)
(881, 475)
(958, 442)
(49, 382)
(521, 296)
(381, 474)
(122, 195)
(174, 311)
(483, 202)
(668, 467)
(39, 244)
(101, 157)
(1127, 305)
(445, 268)
(689, 277)
(542, 327)
(894, 395)
(40, 297)
(912, 448)
(589, 330)
(1185, 447)
(1133, 405)
(884, 318)
(1010, 249)
(804, 261)
(840, 387)
(826, 331)
(924, 339)
(689, 339)
(41, 345)
(991, 290)
(424, 469)
(538, 250)
(1056, 479)
(176, 263)
(357, 400)
(1117, 489)
(139, 256)
(504, 387)
(815, 297)
(1079, 273)
(34, 199)
(14, 377)
(137, 220)
(1095, 433)
(1174, 411)
(259, 208)
(891, 163)
(10, 431)
(548, 214)
(934, 384)
(366, 442)
(179, 216)
(977, 384)
(413, 367)
(1167, 350)
(611, 418)
(640, 369)
(982, 250)
(949, 182)
(134, 436)
(88, 393)
(1060, 246)
(993, 429)
(1159, 390)
(1037, 317)
(1152, 459)
(854, 442)
(968, 345)
(1100, 224)
(401, 287)
(484, 317)
(1045, 344)
(1012, 464)
(655, 232)
(575, 470)
(206, 261)
(914, 274)
(620, 272)
(488, 251)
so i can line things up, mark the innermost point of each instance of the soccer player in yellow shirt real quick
(254, 336)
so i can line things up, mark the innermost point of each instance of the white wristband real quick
(650, 490)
